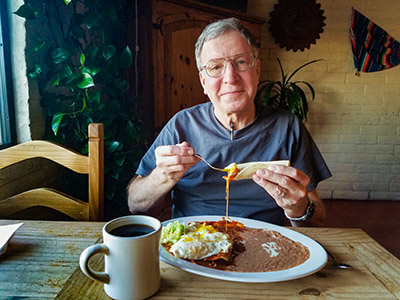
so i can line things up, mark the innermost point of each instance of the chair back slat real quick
(92, 164)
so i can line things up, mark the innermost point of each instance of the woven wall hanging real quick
(373, 48)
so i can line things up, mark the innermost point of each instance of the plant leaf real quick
(82, 59)
(310, 87)
(126, 57)
(111, 147)
(94, 98)
(91, 18)
(27, 11)
(86, 82)
(56, 121)
(119, 158)
(131, 131)
(37, 70)
(67, 2)
(59, 55)
(109, 52)
(38, 44)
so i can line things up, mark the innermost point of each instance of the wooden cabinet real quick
(168, 76)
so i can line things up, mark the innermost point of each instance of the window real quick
(7, 136)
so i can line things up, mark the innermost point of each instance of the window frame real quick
(7, 119)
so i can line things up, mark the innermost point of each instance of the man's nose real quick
(230, 74)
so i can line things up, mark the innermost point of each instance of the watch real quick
(309, 212)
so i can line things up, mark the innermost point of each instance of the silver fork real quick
(337, 264)
(210, 165)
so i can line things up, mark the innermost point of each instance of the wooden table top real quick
(42, 262)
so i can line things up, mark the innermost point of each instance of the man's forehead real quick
(229, 44)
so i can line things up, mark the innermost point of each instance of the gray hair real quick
(217, 29)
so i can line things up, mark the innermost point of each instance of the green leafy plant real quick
(78, 56)
(286, 94)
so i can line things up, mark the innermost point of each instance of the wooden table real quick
(42, 263)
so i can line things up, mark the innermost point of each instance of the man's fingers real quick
(179, 149)
(284, 176)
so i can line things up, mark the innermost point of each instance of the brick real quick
(365, 78)
(390, 120)
(356, 158)
(334, 128)
(358, 139)
(389, 140)
(343, 168)
(344, 88)
(388, 178)
(340, 185)
(339, 66)
(350, 195)
(395, 186)
(351, 177)
(387, 159)
(363, 99)
(325, 118)
(385, 195)
(368, 186)
(328, 148)
(322, 138)
(361, 120)
(373, 168)
(384, 89)
(378, 130)
(377, 149)
(393, 78)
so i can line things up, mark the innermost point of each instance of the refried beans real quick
(258, 250)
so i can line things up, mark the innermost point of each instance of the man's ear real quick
(203, 82)
(258, 68)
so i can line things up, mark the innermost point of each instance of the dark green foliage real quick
(77, 54)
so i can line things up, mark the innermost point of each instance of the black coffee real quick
(132, 230)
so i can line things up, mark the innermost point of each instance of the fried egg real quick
(202, 241)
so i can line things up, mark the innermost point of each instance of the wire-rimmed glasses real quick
(241, 62)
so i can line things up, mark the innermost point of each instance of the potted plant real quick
(286, 94)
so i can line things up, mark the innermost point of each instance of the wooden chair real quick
(92, 164)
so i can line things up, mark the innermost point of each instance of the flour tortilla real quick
(246, 170)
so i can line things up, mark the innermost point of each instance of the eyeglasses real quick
(241, 62)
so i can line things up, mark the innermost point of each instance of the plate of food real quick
(239, 249)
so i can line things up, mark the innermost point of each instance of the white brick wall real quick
(355, 120)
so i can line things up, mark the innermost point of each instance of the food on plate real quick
(198, 241)
(246, 170)
(230, 246)
(171, 233)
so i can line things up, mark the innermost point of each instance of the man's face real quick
(233, 92)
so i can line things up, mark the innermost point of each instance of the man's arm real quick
(319, 215)
(172, 162)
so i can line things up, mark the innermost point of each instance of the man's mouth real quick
(231, 93)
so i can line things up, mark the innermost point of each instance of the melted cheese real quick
(232, 172)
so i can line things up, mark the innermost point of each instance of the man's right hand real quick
(173, 161)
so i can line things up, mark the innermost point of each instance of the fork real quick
(210, 165)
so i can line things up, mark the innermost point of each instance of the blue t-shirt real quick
(273, 135)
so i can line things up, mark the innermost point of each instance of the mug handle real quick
(84, 263)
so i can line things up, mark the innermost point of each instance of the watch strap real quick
(309, 212)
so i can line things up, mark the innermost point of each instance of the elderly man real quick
(232, 128)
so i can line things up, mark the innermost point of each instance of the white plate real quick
(314, 263)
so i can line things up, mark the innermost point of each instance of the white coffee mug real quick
(132, 266)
